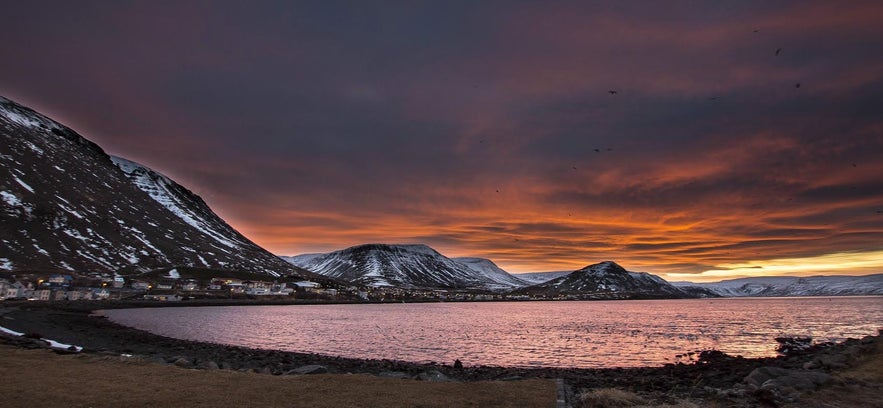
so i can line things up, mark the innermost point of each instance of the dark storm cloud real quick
(486, 128)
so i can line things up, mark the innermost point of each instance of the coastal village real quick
(172, 288)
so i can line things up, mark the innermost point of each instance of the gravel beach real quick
(723, 379)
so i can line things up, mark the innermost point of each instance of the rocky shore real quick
(713, 377)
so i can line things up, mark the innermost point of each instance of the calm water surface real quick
(525, 334)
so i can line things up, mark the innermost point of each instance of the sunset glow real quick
(672, 139)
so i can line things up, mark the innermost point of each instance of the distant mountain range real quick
(419, 266)
(66, 206)
(790, 286)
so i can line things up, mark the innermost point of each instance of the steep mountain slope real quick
(66, 207)
(793, 286)
(489, 269)
(403, 266)
(183, 203)
(607, 280)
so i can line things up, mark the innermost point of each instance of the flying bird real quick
(597, 150)
(778, 50)
(612, 92)
(797, 85)
(756, 30)
(574, 167)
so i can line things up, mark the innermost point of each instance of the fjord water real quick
(524, 334)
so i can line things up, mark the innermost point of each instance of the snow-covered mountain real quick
(793, 286)
(65, 206)
(534, 278)
(606, 280)
(405, 266)
(300, 260)
(493, 272)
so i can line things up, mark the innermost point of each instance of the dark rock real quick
(309, 369)
(432, 375)
(393, 374)
(793, 345)
(208, 365)
(183, 362)
(832, 361)
(763, 374)
(774, 385)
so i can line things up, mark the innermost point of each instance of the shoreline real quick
(714, 376)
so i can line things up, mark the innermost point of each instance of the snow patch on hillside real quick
(158, 187)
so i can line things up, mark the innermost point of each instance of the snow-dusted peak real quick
(603, 268)
(405, 266)
(399, 248)
(126, 165)
(23, 116)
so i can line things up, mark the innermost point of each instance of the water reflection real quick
(530, 334)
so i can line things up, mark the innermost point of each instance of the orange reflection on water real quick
(523, 334)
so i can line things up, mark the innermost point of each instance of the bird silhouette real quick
(778, 50)
(574, 167)
(612, 92)
(597, 150)
(797, 85)
(756, 30)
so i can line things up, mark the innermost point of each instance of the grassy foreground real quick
(42, 378)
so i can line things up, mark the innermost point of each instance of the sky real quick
(696, 140)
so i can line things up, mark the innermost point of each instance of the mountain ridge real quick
(821, 285)
(65, 206)
(409, 266)
(606, 280)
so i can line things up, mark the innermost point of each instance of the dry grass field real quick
(41, 378)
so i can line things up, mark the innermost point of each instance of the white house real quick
(15, 291)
